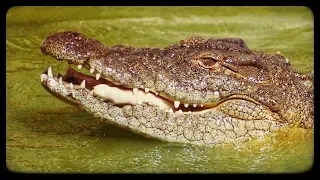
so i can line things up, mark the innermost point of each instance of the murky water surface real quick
(47, 135)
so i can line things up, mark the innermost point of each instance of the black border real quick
(310, 4)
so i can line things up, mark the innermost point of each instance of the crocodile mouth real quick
(114, 93)
(119, 95)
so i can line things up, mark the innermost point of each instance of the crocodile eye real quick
(207, 63)
(213, 62)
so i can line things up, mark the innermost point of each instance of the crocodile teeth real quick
(157, 93)
(50, 75)
(287, 60)
(83, 84)
(170, 110)
(97, 76)
(189, 112)
(186, 105)
(79, 66)
(146, 89)
(176, 104)
(180, 111)
(194, 105)
(91, 70)
(60, 80)
(42, 77)
(201, 105)
(71, 86)
(91, 93)
(135, 90)
(88, 96)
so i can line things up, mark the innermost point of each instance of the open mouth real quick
(105, 85)
(107, 91)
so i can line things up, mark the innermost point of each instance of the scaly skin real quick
(240, 94)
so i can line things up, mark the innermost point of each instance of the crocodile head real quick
(201, 91)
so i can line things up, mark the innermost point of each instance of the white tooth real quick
(189, 112)
(180, 111)
(157, 93)
(88, 96)
(287, 60)
(42, 77)
(216, 93)
(176, 104)
(91, 93)
(83, 84)
(194, 105)
(79, 66)
(91, 70)
(170, 110)
(186, 105)
(101, 100)
(60, 80)
(201, 105)
(71, 86)
(146, 89)
(50, 75)
(135, 90)
(97, 76)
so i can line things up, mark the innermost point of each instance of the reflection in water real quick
(47, 135)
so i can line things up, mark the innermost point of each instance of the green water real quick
(44, 134)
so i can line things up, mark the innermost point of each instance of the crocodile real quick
(198, 91)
